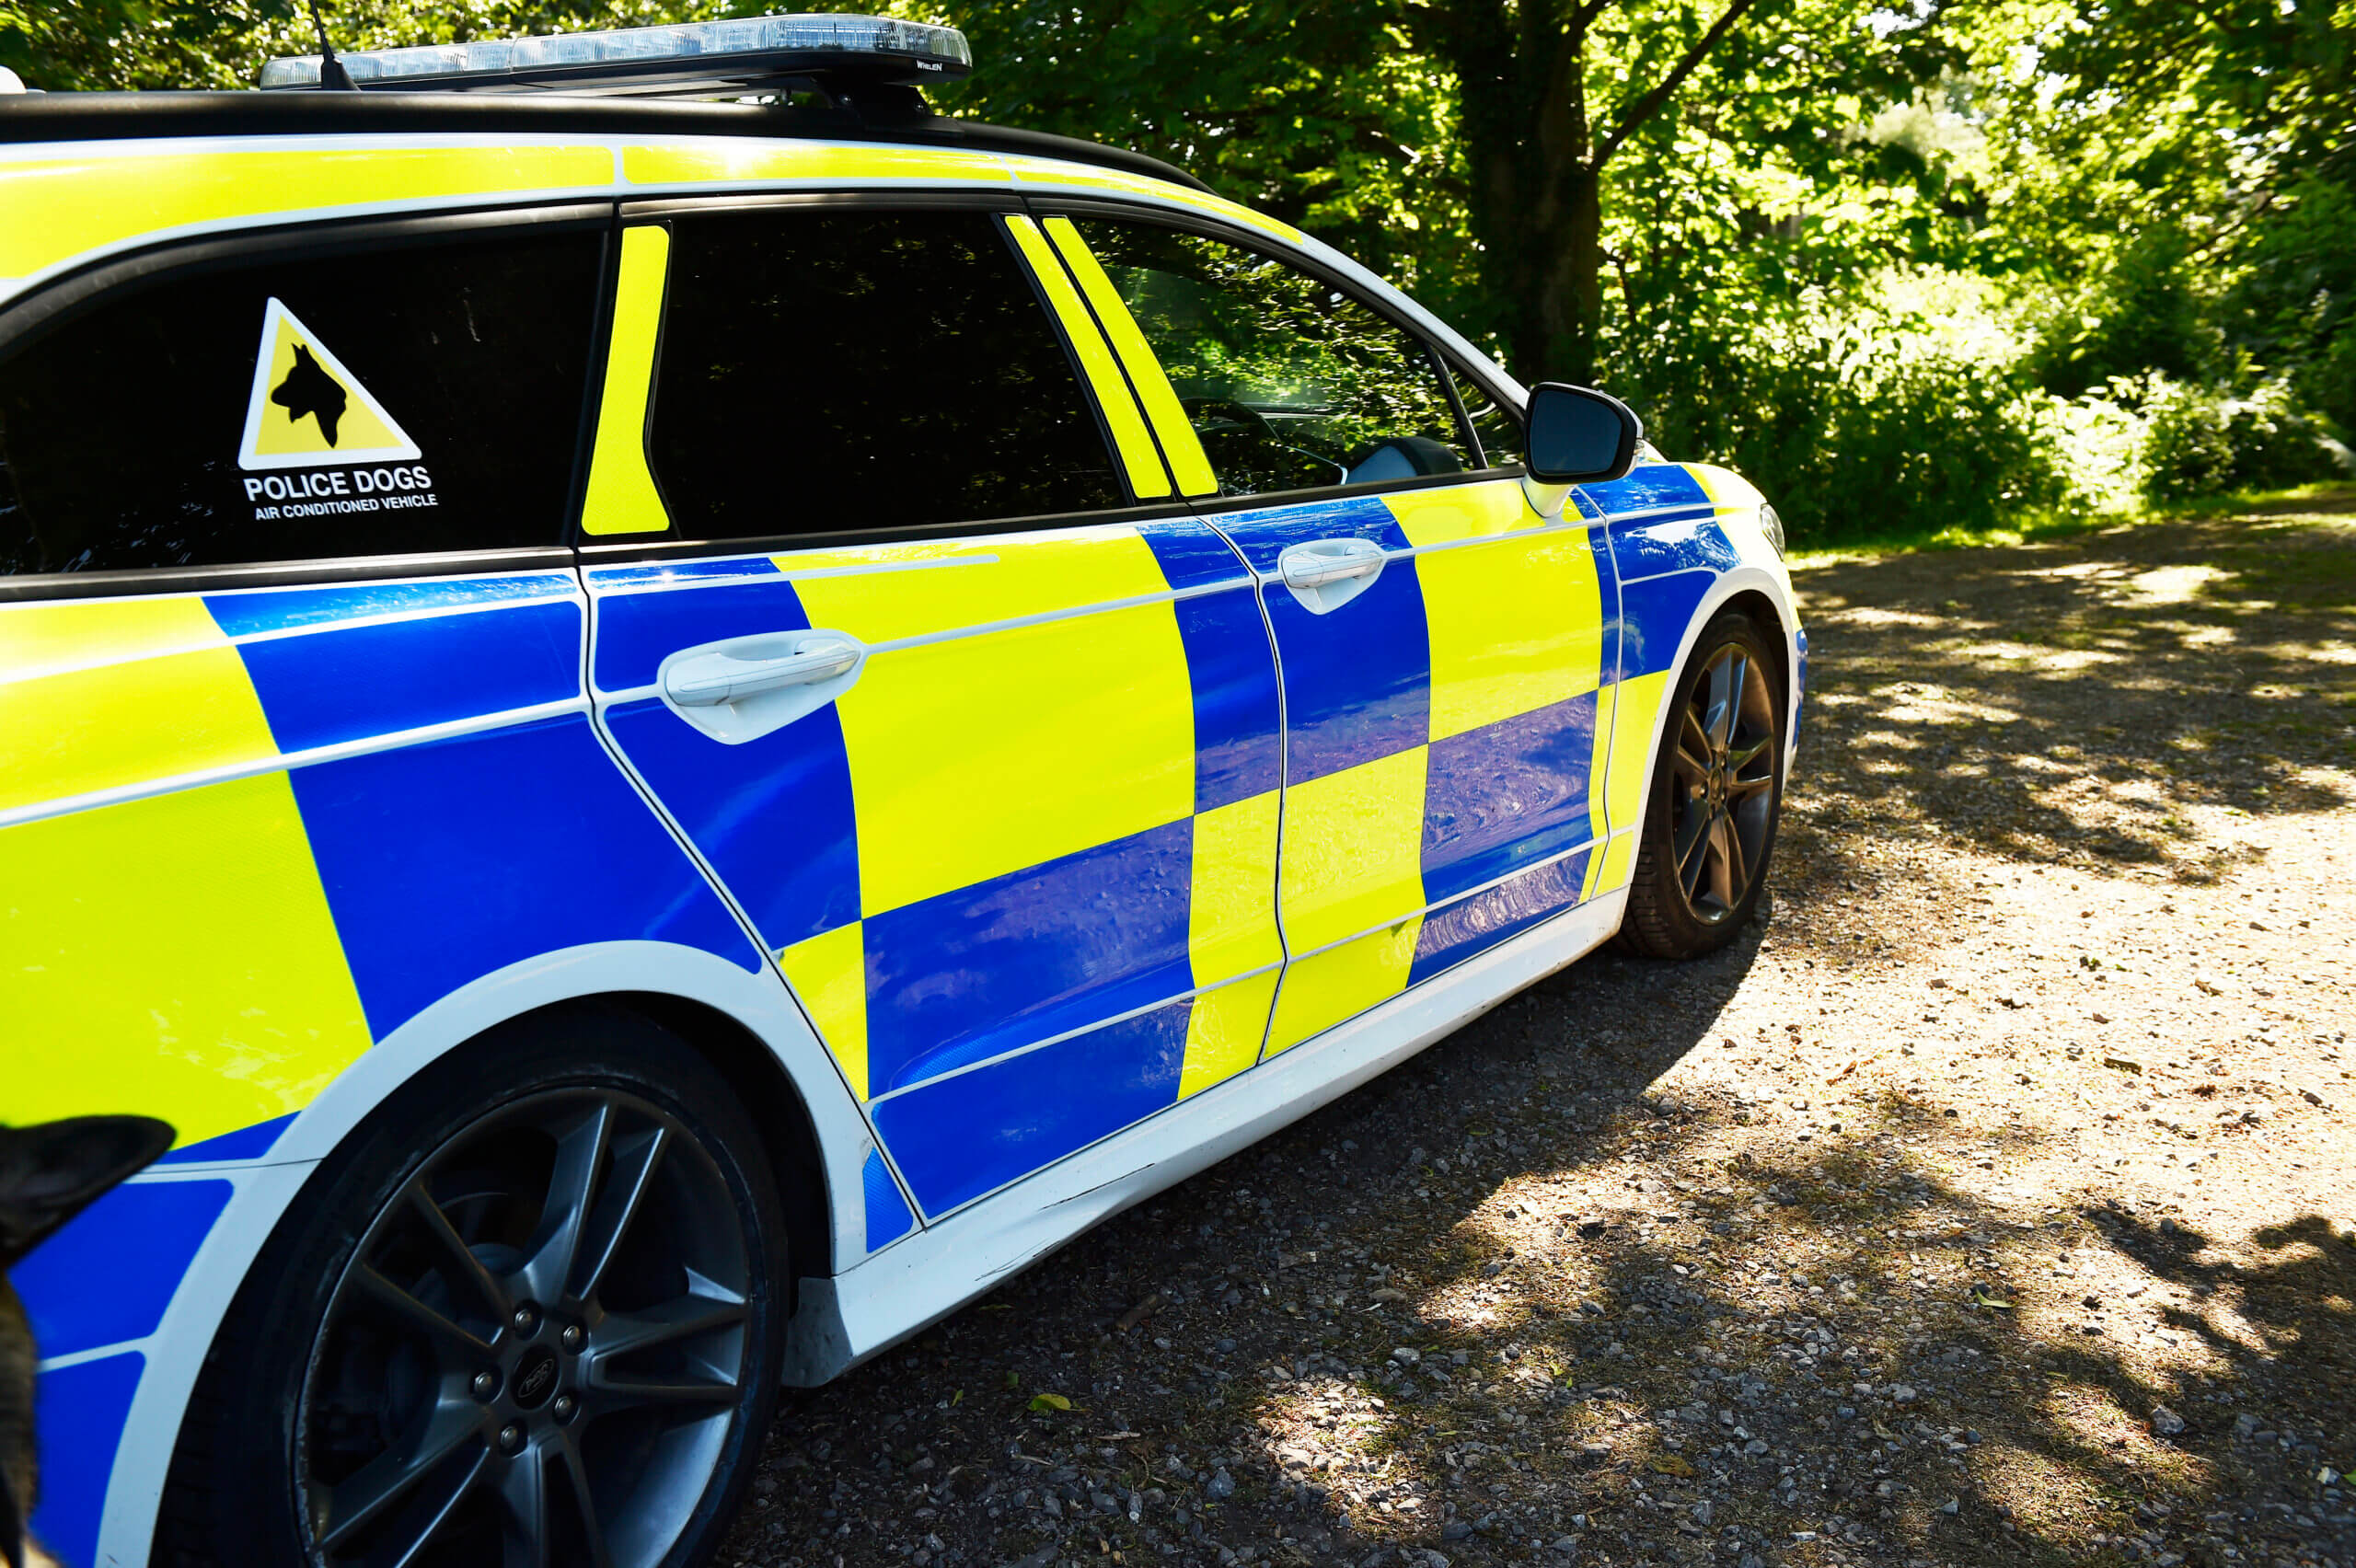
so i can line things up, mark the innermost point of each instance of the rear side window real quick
(419, 397)
(824, 370)
(1291, 383)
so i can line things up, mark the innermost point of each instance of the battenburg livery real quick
(673, 736)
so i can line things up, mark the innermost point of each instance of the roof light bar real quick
(671, 62)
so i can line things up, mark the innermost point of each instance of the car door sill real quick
(864, 1310)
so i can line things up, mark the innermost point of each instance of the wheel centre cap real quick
(536, 1379)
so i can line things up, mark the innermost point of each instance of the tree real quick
(1538, 135)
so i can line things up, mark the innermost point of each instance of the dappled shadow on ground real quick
(1789, 1311)
(1639, 1330)
(2084, 703)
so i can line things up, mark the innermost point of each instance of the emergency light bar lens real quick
(719, 52)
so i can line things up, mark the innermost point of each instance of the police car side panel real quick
(1687, 541)
(1442, 736)
(251, 837)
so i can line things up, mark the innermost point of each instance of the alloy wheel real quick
(536, 1352)
(1722, 803)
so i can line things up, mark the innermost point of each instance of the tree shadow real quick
(2090, 704)
(1665, 1304)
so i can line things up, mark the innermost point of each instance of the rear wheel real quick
(529, 1315)
(1709, 826)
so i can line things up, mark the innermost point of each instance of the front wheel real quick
(529, 1315)
(1717, 788)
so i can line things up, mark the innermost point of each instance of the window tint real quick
(1291, 383)
(825, 369)
(1499, 431)
(421, 397)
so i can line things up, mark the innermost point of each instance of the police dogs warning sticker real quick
(306, 409)
(308, 412)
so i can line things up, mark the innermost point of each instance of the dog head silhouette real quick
(47, 1175)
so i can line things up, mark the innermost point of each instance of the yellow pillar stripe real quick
(1179, 441)
(828, 972)
(1146, 476)
(622, 498)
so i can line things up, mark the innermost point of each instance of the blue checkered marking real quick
(888, 1218)
(1654, 615)
(959, 1138)
(1505, 795)
(108, 1276)
(80, 1412)
(982, 970)
(1473, 925)
(446, 862)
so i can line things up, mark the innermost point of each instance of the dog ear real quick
(51, 1172)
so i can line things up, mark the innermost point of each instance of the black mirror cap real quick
(1577, 435)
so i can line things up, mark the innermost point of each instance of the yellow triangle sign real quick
(306, 410)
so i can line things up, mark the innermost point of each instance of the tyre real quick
(1717, 788)
(530, 1313)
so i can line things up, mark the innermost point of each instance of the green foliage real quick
(1911, 267)
(2202, 444)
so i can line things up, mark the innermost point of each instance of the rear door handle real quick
(738, 669)
(1325, 574)
(748, 687)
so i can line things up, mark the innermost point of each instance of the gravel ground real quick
(1988, 1201)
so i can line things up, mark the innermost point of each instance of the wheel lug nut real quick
(563, 1406)
(511, 1438)
(485, 1384)
(526, 1318)
(571, 1337)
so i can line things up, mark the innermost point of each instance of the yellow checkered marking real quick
(1353, 853)
(53, 209)
(828, 972)
(1517, 623)
(1232, 920)
(1224, 1031)
(174, 953)
(987, 752)
(105, 693)
(1337, 985)
(176, 956)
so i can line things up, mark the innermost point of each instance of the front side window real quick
(826, 371)
(421, 398)
(1291, 383)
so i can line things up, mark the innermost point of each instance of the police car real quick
(675, 734)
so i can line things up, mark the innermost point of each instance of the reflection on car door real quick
(1440, 643)
(999, 796)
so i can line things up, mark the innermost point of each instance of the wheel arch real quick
(778, 1109)
(742, 1020)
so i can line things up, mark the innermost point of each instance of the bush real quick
(1857, 422)
(2199, 441)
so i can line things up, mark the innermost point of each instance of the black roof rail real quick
(89, 117)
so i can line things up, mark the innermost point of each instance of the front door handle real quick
(1325, 574)
(748, 687)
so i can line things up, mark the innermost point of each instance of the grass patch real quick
(2033, 527)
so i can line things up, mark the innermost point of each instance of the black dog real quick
(47, 1175)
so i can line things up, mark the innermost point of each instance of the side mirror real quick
(1578, 436)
